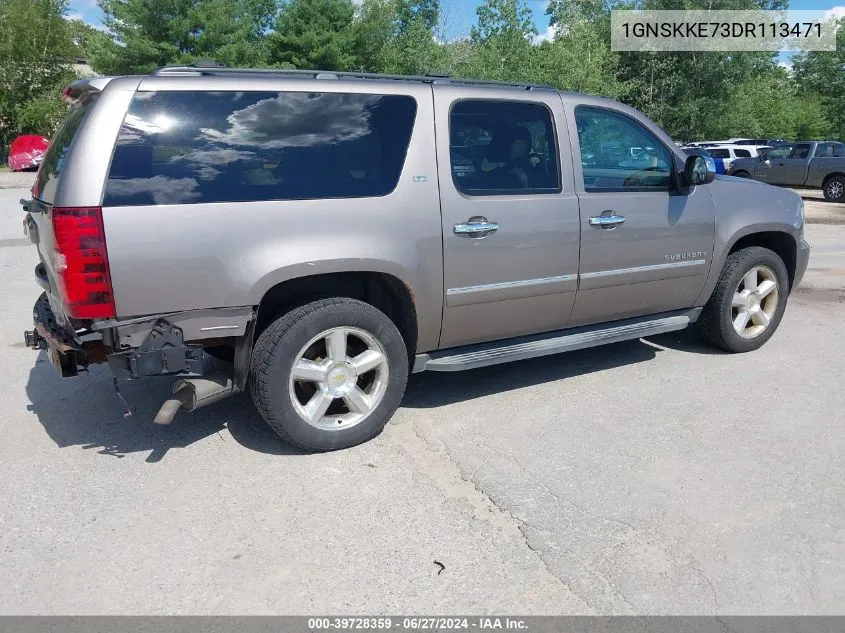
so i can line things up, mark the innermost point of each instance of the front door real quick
(509, 212)
(791, 168)
(644, 247)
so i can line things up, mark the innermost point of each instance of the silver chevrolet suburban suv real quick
(329, 233)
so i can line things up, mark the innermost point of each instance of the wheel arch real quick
(385, 291)
(774, 236)
(834, 174)
(780, 242)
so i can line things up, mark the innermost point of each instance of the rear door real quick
(509, 213)
(645, 248)
(828, 158)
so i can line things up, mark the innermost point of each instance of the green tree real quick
(35, 48)
(373, 28)
(148, 34)
(510, 20)
(314, 34)
(410, 12)
(502, 43)
(688, 93)
(579, 57)
(821, 75)
(232, 32)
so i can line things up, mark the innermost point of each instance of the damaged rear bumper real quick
(153, 346)
(68, 352)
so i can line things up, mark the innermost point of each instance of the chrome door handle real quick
(607, 221)
(475, 228)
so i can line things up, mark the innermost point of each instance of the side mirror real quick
(697, 171)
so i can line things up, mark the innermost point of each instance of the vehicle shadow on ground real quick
(86, 412)
(433, 389)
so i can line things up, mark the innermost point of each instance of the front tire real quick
(748, 302)
(742, 174)
(329, 374)
(834, 189)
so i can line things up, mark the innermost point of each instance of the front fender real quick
(744, 207)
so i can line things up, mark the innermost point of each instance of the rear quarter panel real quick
(170, 258)
(821, 168)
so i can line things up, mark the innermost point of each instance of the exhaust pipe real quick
(192, 393)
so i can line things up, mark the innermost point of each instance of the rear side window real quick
(56, 156)
(195, 147)
(742, 153)
(719, 153)
(830, 150)
(502, 147)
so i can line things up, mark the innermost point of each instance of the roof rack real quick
(206, 69)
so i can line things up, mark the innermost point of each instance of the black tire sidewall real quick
(296, 330)
(745, 260)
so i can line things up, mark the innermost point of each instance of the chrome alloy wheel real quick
(754, 302)
(338, 378)
(835, 189)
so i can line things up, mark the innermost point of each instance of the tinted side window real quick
(193, 147)
(54, 159)
(619, 153)
(742, 153)
(779, 152)
(719, 153)
(802, 150)
(502, 147)
(830, 150)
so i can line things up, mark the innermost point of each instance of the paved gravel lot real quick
(652, 477)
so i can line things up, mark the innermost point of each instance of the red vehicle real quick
(26, 152)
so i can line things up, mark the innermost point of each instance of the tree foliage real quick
(36, 49)
(822, 73)
(692, 95)
(314, 34)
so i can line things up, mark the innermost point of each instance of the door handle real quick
(475, 227)
(610, 221)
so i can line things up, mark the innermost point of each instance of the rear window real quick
(830, 150)
(719, 153)
(56, 156)
(195, 147)
(742, 153)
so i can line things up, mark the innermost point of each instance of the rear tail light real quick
(82, 263)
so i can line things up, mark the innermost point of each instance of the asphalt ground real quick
(654, 476)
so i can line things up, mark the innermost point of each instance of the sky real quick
(459, 15)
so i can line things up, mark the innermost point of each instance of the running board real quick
(523, 347)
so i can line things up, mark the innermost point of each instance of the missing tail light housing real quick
(81, 262)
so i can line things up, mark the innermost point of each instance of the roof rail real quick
(202, 69)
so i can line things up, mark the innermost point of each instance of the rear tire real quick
(329, 374)
(834, 189)
(748, 302)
